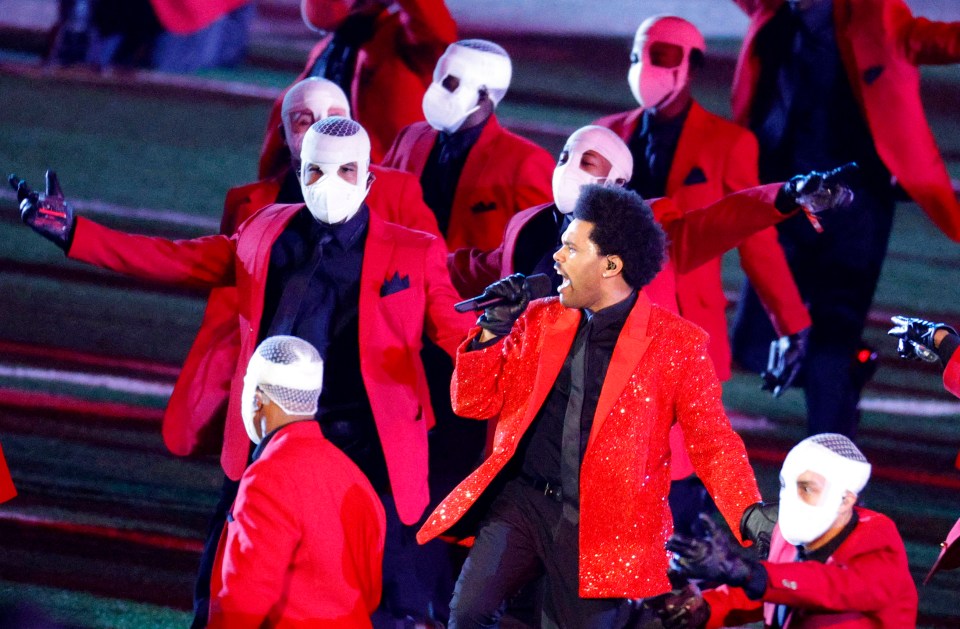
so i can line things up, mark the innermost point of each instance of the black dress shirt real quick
(805, 115)
(541, 450)
(653, 145)
(441, 173)
(313, 292)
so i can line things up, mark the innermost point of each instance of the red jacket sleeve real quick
(924, 41)
(260, 544)
(716, 451)
(202, 262)
(704, 234)
(472, 269)
(951, 375)
(761, 256)
(428, 29)
(731, 607)
(445, 326)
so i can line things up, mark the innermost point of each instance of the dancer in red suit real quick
(585, 389)
(195, 414)
(822, 83)
(474, 173)
(381, 54)
(684, 152)
(304, 543)
(830, 564)
(363, 291)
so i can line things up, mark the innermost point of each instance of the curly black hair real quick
(623, 225)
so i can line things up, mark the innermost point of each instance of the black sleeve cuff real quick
(757, 584)
(948, 346)
(476, 344)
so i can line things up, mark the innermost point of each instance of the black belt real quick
(551, 490)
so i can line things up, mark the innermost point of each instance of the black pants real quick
(837, 273)
(525, 536)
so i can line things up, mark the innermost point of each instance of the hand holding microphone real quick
(504, 301)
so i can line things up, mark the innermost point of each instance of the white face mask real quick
(446, 110)
(330, 198)
(801, 523)
(567, 181)
(248, 403)
(654, 86)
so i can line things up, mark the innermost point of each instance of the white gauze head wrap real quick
(315, 98)
(844, 467)
(327, 145)
(568, 177)
(653, 85)
(289, 371)
(476, 64)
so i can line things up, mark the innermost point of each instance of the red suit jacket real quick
(392, 325)
(951, 375)
(865, 584)
(714, 158)
(7, 490)
(188, 16)
(659, 374)
(694, 238)
(303, 547)
(392, 73)
(194, 418)
(503, 174)
(880, 43)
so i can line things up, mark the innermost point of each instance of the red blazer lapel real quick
(557, 340)
(377, 254)
(688, 148)
(631, 345)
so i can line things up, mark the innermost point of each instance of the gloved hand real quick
(715, 557)
(48, 214)
(916, 337)
(683, 608)
(756, 525)
(817, 191)
(784, 361)
(499, 319)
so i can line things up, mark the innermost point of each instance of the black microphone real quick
(536, 286)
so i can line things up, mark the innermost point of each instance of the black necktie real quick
(296, 287)
(570, 441)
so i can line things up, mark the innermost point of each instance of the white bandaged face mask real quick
(329, 197)
(660, 61)
(592, 155)
(447, 111)
(811, 467)
(334, 167)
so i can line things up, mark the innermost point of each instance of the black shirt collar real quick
(611, 316)
(663, 128)
(461, 141)
(345, 234)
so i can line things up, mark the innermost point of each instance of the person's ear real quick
(614, 266)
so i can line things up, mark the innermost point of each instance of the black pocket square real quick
(395, 284)
(695, 176)
(872, 74)
(481, 207)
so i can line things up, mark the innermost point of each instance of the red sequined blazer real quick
(659, 374)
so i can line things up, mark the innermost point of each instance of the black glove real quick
(512, 290)
(717, 557)
(48, 214)
(817, 191)
(683, 608)
(756, 525)
(784, 361)
(916, 337)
